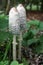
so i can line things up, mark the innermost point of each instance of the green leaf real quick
(34, 22)
(21, 64)
(35, 31)
(4, 63)
(31, 41)
(14, 63)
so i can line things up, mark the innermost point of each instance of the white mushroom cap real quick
(22, 14)
(21, 10)
(14, 21)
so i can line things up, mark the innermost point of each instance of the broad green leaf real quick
(32, 41)
(34, 22)
(21, 64)
(14, 63)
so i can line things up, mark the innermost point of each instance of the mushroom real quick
(22, 15)
(14, 27)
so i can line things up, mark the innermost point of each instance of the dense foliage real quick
(32, 38)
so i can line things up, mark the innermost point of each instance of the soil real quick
(35, 15)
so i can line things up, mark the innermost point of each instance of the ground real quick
(35, 14)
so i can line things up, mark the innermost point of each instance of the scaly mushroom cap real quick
(14, 22)
(22, 14)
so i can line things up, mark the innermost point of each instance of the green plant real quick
(33, 37)
(5, 37)
(4, 63)
(15, 63)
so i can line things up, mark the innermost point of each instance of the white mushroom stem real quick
(20, 44)
(14, 47)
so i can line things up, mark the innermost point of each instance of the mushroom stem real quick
(14, 47)
(20, 44)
